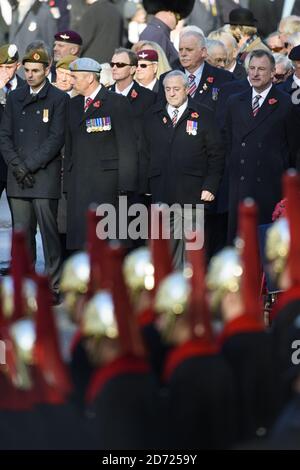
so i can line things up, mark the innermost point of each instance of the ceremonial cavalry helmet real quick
(224, 275)
(75, 279)
(171, 301)
(139, 271)
(277, 246)
(29, 292)
(99, 316)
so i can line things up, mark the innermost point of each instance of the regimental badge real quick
(215, 93)
(98, 124)
(45, 115)
(192, 127)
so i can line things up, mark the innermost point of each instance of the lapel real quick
(264, 112)
(133, 92)
(101, 96)
(204, 86)
(26, 97)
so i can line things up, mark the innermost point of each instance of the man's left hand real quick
(207, 196)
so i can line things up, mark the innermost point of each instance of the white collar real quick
(94, 94)
(263, 94)
(34, 92)
(125, 91)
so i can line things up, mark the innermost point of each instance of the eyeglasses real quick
(144, 66)
(119, 65)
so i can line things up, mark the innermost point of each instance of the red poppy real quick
(97, 104)
(210, 79)
(133, 94)
(272, 101)
(165, 120)
(195, 115)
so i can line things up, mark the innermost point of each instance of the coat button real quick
(258, 179)
(243, 144)
(21, 130)
(242, 178)
(38, 112)
(23, 112)
(242, 161)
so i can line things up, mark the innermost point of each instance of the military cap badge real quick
(64, 36)
(36, 56)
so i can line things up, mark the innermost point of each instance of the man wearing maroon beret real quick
(66, 43)
(146, 71)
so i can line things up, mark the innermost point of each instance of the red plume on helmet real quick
(198, 308)
(291, 183)
(98, 252)
(21, 267)
(160, 248)
(251, 278)
(55, 383)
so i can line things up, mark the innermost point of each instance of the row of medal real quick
(98, 124)
(192, 127)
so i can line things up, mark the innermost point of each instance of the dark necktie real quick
(88, 103)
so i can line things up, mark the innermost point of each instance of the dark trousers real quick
(25, 214)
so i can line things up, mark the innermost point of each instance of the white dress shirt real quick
(181, 109)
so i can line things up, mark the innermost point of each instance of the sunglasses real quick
(119, 65)
(144, 66)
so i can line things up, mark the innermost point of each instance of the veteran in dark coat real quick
(31, 136)
(261, 141)
(139, 97)
(101, 154)
(205, 80)
(182, 156)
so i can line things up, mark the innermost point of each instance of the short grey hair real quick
(200, 38)
(284, 60)
(212, 43)
(176, 73)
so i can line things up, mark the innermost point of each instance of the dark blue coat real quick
(260, 149)
(179, 165)
(28, 134)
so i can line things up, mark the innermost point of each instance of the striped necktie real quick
(192, 85)
(255, 104)
(174, 118)
(88, 102)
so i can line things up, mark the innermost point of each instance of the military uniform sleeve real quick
(55, 140)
